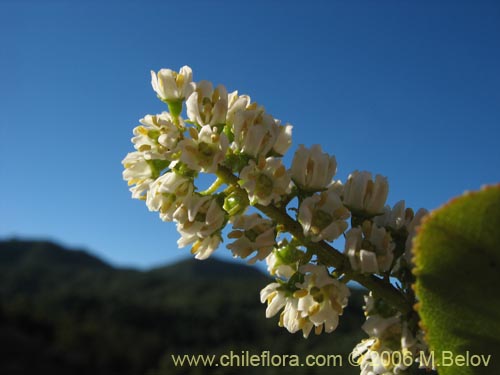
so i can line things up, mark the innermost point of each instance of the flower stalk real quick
(328, 255)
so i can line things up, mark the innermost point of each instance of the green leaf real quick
(457, 258)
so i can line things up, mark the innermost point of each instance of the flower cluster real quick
(303, 209)
(393, 346)
(316, 301)
(221, 131)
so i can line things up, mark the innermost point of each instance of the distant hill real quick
(44, 253)
(67, 312)
(211, 268)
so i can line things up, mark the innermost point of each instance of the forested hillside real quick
(67, 312)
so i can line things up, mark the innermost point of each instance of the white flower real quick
(252, 233)
(204, 150)
(275, 298)
(199, 218)
(365, 196)
(317, 303)
(390, 340)
(173, 86)
(362, 347)
(369, 249)
(199, 215)
(265, 182)
(337, 187)
(291, 318)
(374, 357)
(206, 106)
(321, 298)
(312, 169)
(391, 350)
(137, 172)
(284, 138)
(204, 247)
(237, 103)
(167, 193)
(255, 132)
(323, 216)
(157, 136)
(396, 218)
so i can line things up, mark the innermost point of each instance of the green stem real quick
(213, 188)
(327, 254)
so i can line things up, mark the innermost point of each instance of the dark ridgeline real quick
(66, 312)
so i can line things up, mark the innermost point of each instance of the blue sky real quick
(407, 89)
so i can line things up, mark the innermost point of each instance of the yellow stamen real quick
(193, 133)
(318, 329)
(179, 80)
(300, 293)
(314, 309)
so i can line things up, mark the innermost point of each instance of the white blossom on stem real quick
(137, 172)
(170, 85)
(317, 303)
(390, 340)
(199, 218)
(284, 138)
(266, 182)
(290, 318)
(369, 249)
(252, 233)
(236, 104)
(275, 298)
(321, 298)
(396, 217)
(323, 216)
(204, 150)
(205, 246)
(157, 136)
(312, 169)
(365, 196)
(255, 132)
(206, 106)
(167, 193)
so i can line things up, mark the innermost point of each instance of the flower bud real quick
(284, 260)
(235, 202)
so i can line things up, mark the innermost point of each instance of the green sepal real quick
(236, 162)
(157, 166)
(184, 170)
(175, 107)
(288, 253)
(235, 202)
